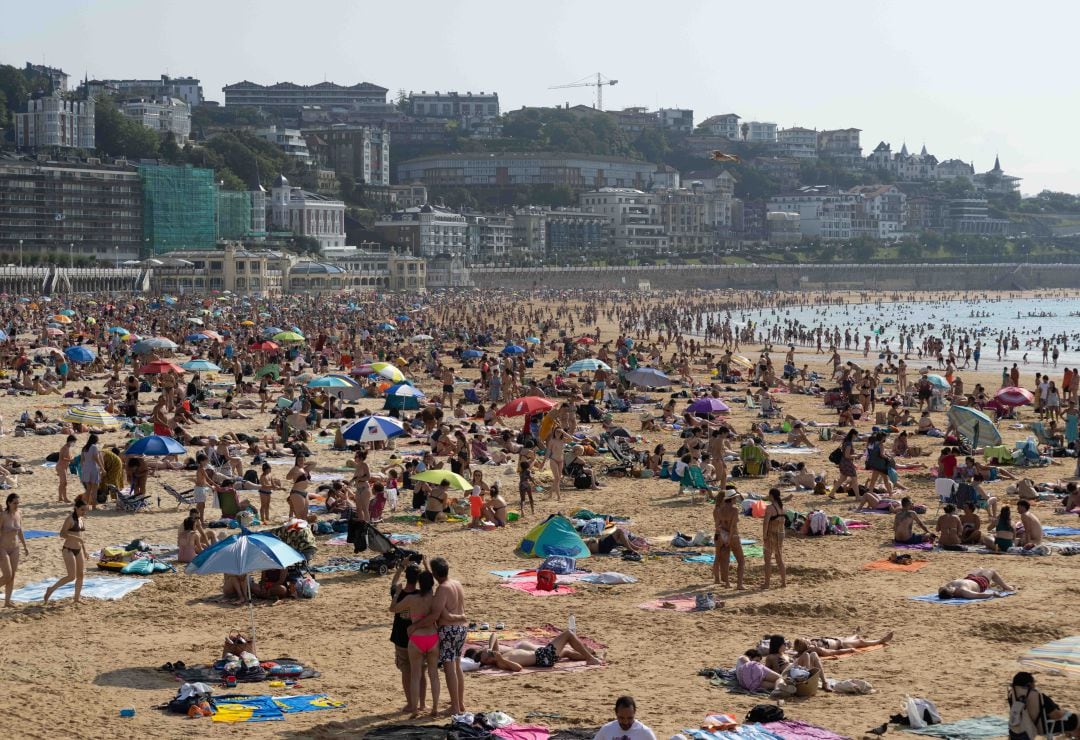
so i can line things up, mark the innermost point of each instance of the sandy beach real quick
(66, 671)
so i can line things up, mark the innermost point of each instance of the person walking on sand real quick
(63, 460)
(73, 536)
(91, 464)
(11, 535)
(726, 521)
(773, 537)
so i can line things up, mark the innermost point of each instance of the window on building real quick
(241, 266)
(215, 265)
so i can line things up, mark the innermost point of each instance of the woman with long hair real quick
(11, 534)
(73, 536)
(423, 642)
(773, 537)
(92, 465)
(849, 474)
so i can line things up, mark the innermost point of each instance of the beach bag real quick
(1021, 726)
(188, 695)
(920, 712)
(765, 713)
(819, 523)
(142, 567)
(836, 455)
(545, 580)
(825, 434)
(559, 564)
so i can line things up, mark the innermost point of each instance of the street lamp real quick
(71, 255)
(116, 251)
(20, 253)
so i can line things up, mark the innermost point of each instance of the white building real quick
(307, 214)
(164, 115)
(760, 131)
(797, 142)
(51, 121)
(808, 202)
(726, 125)
(680, 120)
(882, 211)
(289, 140)
(454, 105)
(634, 217)
(188, 89)
(426, 231)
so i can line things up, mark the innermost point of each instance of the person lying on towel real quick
(528, 654)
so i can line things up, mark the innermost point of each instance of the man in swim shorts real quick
(904, 525)
(526, 654)
(975, 585)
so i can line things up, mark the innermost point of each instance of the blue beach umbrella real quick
(937, 381)
(648, 377)
(471, 354)
(80, 354)
(405, 389)
(974, 426)
(329, 381)
(201, 366)
(197, 337)
(3, 335)
(373, 429)
(532, 340)
(588, 365)
(513, 349)
(119, 330)
(155, 444)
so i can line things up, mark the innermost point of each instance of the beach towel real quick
(607, 578)
(679, 602)
(886, 564)
(33, 534)
(307, 703)
(110, 588)
(855, 524)
(782, 450)
(340, 565)
(230, 709)
(1041, 551)
(867, 649)
(973, 728)
(515, 731)
(745, 732)
(213, 674)
(529, 587)
(750, 551)
(933, 599)
(793, 729)
(927, 546)
(725, 678)
(1060, 656)
(1061, 531)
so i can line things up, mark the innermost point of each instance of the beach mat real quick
(886, 564)
(867, 649)
(33, 534)
(973, 728)
(211, 674)
(750, 551)
(794, 729)
(1061, 531)
(529, 587)
(340, 565)
(933, 599)
(1060, 656)
(109, 588)
(682, 603)
(924, 546)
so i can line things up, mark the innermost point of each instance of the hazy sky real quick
(968, 79)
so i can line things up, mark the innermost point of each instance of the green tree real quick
(909, 250)
(653, 145)
(170, 150)
(116, 135)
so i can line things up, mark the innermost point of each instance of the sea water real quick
(1031, 319)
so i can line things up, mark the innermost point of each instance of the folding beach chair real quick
(129, 501)
(183, 498)
(753, 461)
(1053, 445)
(693, 482)
(945, 488)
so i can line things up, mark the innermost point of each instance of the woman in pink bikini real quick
(423, 643)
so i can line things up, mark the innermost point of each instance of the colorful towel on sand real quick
(1061, 531)
(341, 565)
(793, 729)
(886, 564)
(109, 588)
(856, 524)
(725, 678)
(973, 728)
(270, 708)
(522, 732)
(400, 540)
(934, 599)
(867, 649)
(1060, 656)
(529, 587)
(678, 603)
(745, 732)
(750, 551)
(927, 546)
(33, 534)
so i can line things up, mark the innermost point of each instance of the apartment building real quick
(578, 171)
(288, 97)
(164, 115)
(633, 217)
(454, 105)
(359, 152)
(188, 89)
(50, 121)
(425, 231)
(289, 140)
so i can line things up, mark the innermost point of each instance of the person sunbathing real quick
(975, 585)
(752, 674)
(526, 654)
(874, 502)
(826, 647)
(604, 545)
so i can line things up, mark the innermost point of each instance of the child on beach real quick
(525, 487)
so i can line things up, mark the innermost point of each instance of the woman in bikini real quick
(11, 534)
(807, 659)
(362, 485)
(267, 484)
(423, 642)
(298, 495)
(773, 536)
(556, 450)
(73, 535)
(726, 521)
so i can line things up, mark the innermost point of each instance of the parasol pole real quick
(251, 608)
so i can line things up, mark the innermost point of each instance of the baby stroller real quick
(362, 535)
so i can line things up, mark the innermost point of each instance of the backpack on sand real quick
(765, 713)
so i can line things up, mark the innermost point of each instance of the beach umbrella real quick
(201, 366)
(272, 369)
(937, 381)
(401, 317)
(648, 377)
(161, 367)
(80, 354)
(264, 346)
(386, 326)
(587, 365)
(373, 429)
(708, 405)
(974, 426)
(532, 340)
(61, 319)
(422, 338)
(1014, 396)
(211, 334)
(388, 371)
(155, 445)
(244, 553)
(471, 354)
(3, 335)
(272, 330)
(585, 340)
(404, 390)
(146, 346)
(247, 322)
(288, 336)
(119, 330)
(195, 320)
(52, 331)
(363, 370)
(95, 416)
(329, 381)
(525, 405)
(513, 349)
(67, 312)
(197, 337)
(91, 320)
(740, 360)
(456, 481)
(44, 351)
(1061, 657)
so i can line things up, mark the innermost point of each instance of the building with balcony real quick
(51, 122)
(370, 269)
(509, 169)
(289, 140)
(84, 209)
(726, 126)
(783, 228)
(801, 143)
(633, 218)
(530, 231)
(823, 212)
(571, 232)
(996, 181)
(972, 216)
(882, 211)
(57, 77)
(233, 268)
(304, 213)
(188, 89)
(685, 215)
(679, 120)
(454, 105)
(359, 152)
(841, 144)
(761, 132)
(164, 115)
(287, 97)
(489, 237)
(425, 231)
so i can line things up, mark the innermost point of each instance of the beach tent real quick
(555, 536)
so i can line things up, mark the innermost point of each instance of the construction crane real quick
(599, 82)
